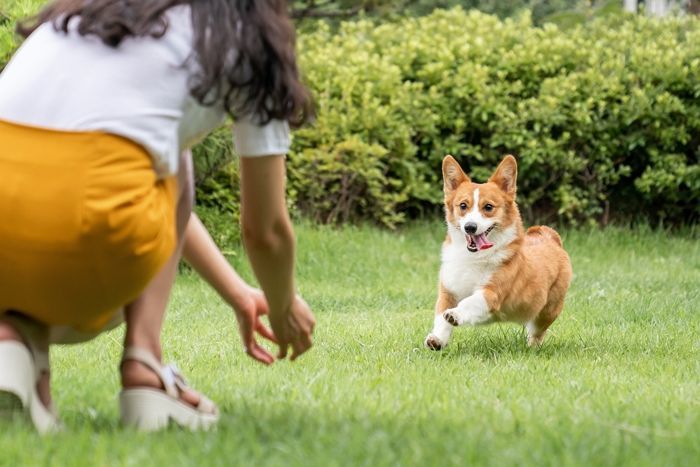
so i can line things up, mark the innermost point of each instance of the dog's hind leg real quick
(537, 328)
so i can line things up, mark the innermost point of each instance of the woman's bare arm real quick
(248, 303)
(270, 243)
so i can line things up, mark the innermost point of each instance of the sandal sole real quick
(18, 396)
(153, 410)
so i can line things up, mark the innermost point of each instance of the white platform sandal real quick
(150, 409)
(20, 370)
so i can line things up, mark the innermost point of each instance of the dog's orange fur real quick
(531, 282)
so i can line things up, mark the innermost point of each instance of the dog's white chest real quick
(461, 273)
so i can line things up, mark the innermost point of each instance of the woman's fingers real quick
(295, 330)
(301, 345)
(253, 349)
(265, 332)
(261, 355)
(282, 354)
(249, 323)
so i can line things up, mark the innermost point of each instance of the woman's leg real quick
(144, 316)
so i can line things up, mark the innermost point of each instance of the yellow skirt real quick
(84, 224)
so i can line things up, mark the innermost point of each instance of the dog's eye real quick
(488, 207)
(463, 206)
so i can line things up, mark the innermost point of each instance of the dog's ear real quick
(452, 174)
(506, 175)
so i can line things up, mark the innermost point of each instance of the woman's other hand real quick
(295, 329)
(249, 313)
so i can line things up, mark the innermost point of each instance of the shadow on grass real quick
(507, 341)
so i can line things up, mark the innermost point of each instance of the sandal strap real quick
(178, 377)
(164, 373)
(173, 380)
(206, 405)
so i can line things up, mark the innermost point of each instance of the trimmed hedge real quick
(603, 118)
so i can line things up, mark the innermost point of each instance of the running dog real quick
(492, 269)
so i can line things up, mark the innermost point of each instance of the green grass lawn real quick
(617, 381)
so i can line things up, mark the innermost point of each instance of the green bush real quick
(7, 38)
(603, 118)
(217, 187)
(383, 9)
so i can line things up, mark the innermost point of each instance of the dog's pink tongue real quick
(481, 242)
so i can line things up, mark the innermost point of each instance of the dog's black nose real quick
(470, 227)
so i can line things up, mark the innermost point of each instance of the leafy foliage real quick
(540, 9)
(217, 186)
(604, 117)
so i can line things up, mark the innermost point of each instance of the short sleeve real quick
(251, 139)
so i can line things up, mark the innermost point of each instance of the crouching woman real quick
(98, 110)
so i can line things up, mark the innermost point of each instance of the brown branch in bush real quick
(694, 7)
(315, 12)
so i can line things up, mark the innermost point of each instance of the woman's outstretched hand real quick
(294, 329)
(249, 313)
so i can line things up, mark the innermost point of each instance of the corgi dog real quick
(492, 269)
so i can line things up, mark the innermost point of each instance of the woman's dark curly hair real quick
(244, 49)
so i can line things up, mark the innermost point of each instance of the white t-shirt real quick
(138, 90)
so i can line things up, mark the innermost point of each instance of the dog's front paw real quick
(433, 343)
(452, 317)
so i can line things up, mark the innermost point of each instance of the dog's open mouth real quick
(479, 242)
